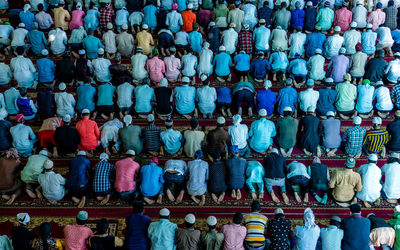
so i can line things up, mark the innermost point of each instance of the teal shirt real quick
(106, 93)
(185, 99)
(162, 235)
(92, 44)
(85, 94)
(172, 140)
(261, 133)
(325, 18)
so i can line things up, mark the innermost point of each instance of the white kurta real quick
(371, 186)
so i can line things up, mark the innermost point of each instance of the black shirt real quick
(5, 135)
(67, 139)
(319, 176)
(216, 180)
(163, 100)
(102, 243)
(213, 38)
(375, 69)
(377, 222)
(65, 70)
(274, 165)
(394, 131)
(45, 104)
(120, 74)
(22, 238)
(279, 228)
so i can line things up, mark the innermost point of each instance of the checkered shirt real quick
(246, 41)
(396, 94)
(106, 15)
(354, 137)
(102, 172)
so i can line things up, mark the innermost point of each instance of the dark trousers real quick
(244, 96)
(177, 179)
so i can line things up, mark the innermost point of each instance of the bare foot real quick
(105, 200)
(221, 197)
(82, 202)
(5, 197)
(274, 198)
(159, 199)
(285, 198)
(203, 200)
(305, 198)
(170, 195)
(378, 202)
(392, 201)
(233, 195)
(261, 196)
(239, 195)
(52, 202)
(76, 200)
(297, 197)
(30, 193)
(148, 201)
(214, 198)
(253, 196)
(250, 112)
(366, 204)
(180, 197)
(195, 199)
(11, 199)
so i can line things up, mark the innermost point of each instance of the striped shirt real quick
(375, 139)
(152, 140)
(255, 224)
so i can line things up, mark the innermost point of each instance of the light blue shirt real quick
(287, 97)
(195, 41)
(85, 93)
(150, 19)
(91, 20)
(298, 67)
(92, 44)
(151, 177)
(296, 168)
(278, 61)
(198, 176)
(206, 97)
(121, 17)
(222, 63)
(368, 41)
(52, 185)
(261, 133)
(255, 172)
(174, 21)
(306, 238)
(162, 235)
(144, 96)
(242, 62)
(181, 38)
(331, 238)
(172, 140)
(185, 99)
(27, 18)
(189, 65)
(10, 97)
(46, 69)
(106, 93)
(365, 97)
(261, 38)
(23, 138)
(37, 40)
(124, 93)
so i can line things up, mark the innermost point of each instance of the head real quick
(335, 221)
(283, 5)
(212, 222)
(169, 123)
(23, 91)
(355, 208)
(279, 213)
(190, 220)
(220, 122)
(194, 123)
(20, 50)
(373, 158)
(164, 213)
(235, 150)
(217, 155)
(102, 226)
(138, 207)
(23, 219)
(287, 111)
(40, 7)
(198, 154)
(255, 206)
(377, 122)
(350, 162)
(85, 113)
(238, 218)
(82, 218)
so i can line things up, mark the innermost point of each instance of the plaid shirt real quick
(102, 172)
(396, 95)
(354, 137)
(246, 42)
(106, 15)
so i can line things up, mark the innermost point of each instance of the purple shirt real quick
(330, 133)
(172, 66)
(338, 66)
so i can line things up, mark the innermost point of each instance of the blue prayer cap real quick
(234, 149)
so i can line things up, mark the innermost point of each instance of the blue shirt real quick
(396, 36)
(91, 20)
(287, 97)
(102, 173)
(224, 95)
(265, 13)
(314, 41)
(121, 17)
(144, 96)
(261, 37)
(37, 40)
(185, 99)
(365, 97)
(27, 18)
(46, 70)
(85, 94)
(136, 231)
(356, 233)
(331, 237)
(326, 101)
(278, 60)
(297, 18)
(222, 63)
(266, 99)
(106, 93)
(150, 18)
(195, 41)
(309, 18)
(242, 62)
(162, 235)
(92, 44)
(298, 67)
(259, 68)
(172, 140)
(79, 170)
(261, 133)
(368, 41)
(151, 177)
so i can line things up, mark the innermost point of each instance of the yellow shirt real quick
(61, 18)
(145, 40)
(345, 183)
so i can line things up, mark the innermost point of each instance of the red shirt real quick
(125, 174)
(188, 18)
(89, 134)
(77, 237)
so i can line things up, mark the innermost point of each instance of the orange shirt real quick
(89, 133)
(188, 18)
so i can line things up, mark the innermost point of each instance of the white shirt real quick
(138, 62)
(57, 39)
(136, 18)
(315, 67)
(308, 98)
(205, 62)
(189, 65)
(393, 70)
(296, 43)
(124, 93)
(5, 74)
(110, 45)
(229, 39)
(391, 186)
(239, 135)
(360, 16)
(109, 131)
(181, 38)
(101, 69)
(383, 100)
(371, 187)
(332, 45)
(5, 30)
(65, 103)
(384, 35)
(279, 39)
(19, 37)
(351, 38)
(24, 71)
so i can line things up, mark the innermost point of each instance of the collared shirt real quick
(61, 17)
(298, 67)
(261, 38)
(250, 15)
(193, 141)
(310, 14)
(126, 170)
(92, 19)
(135, 18)
(23, 138)
(156, 69)
(92, 44)
(172, 140)
(18, 37)
(89, 134)
(172, 66)
(365, 97)
(281, 18)
(234, 236)
(325, 18)
(245, 42)
(178, 166)
(351, 38)
(212, 240)
(256, 224)
(162, 234)
(346, 96)
(10, 96)
(185, 99)
(33, 168)
(315, 67)
(174, 21)
(330, 133)
(331, 238)
(58, 40)
(151, 136)
(255, 174)
(6, 30)
(229, 39)
(287, 97)
(125, 43)
(297, 18)
(189, 65)
(391, 17)
(278, 39)
(206, 97)
(181, 38)
(65, 103)
(259, 68)
(151, 177)
(137, 226)
(24, 71)
(354, 139)
(376, 18)
(342, 18)
(393, 70)
(261, 133)
(27, 18)
(222, 63)
(236, 16)
(345, 182)
(105, 94)
(44, 20)
(138, 62)
(371, 186)
(144, 96)
(46, 69)
(391, 186)
(52, 185)
(195, 41)
(189, 18)
(205, 62)
(145, 40)
(149, 18)
(239, 135)
(375, 140)
(5, 74)
(77, 36)
(110, 45)
(79, 171)
(198, 176)
(368, 40)
(101, 178)
(308, 99)
(109, 132)
(383, 99)
(357, 64)
(77, 236)
(360, 16)
(124, 93)
(306, 237)
(314, 41)
(278, 61)
(296, 43)
(384, 36)
(101, 69)
(187, 238)
(332, 45)
(85, 94)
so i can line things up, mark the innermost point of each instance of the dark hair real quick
(102, 226)
(334, 223)
(138, 207)
(355, 208)
(284, 4)
(212, 227)
(255, 206)
(80, 222)
(45, 232)
(168, 126)
(194, 123)
(220, 125)
(237, 218)
(23, 91)
(391, 160)
(217, 155)
(20, 50)
(40, 7)
(187, 224)
(287, 113)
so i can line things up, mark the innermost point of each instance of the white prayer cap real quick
(100, 51)
(80, 152)
(81, 52)
(287, 108)
(357, 120)
(267, 84)
(44, 152)
(337, 29)
(353, 24)
(21, 25)
(203, 77)
(342, 50)
(127, 119)
(330, 113)
(318, 51)
(85, 111)
(62, 86)
(369, 25)
(185, 79)
(236, 119)
(309, 3)
(211, 221)
(27, 7)
(373, 157)
(190, 6)
(274, 150)
(48, 164)
(131, 152)
(222, 48)
(145, 26)
(109, 26)
(124, 26)
(23, 218)
(395, 155)
(150, 118)
(164, 212)
(67, 118)
(103, 156)
(279, 211)
(262, 112)
(221, 120)
(190, 218)
(377, 121)
(44, 52)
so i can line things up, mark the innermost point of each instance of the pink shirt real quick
(234, 236)
(172, 66)
(76, 20)
(156, 69)
(376, 18)
(125, 175)
(76, 237)
(343, 18)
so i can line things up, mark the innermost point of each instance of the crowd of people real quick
(248, 231)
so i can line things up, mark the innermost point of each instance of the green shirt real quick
(346, 96)
(325, 18)
(33, 168)
(395, 223)
(212, 240)
(130, 138)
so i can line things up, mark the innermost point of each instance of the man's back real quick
(331, 238)
(136, 233)
(212, 240)
(356, 233)
(76, 236)
(162, 234)
(344, 183)
(187, 238)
